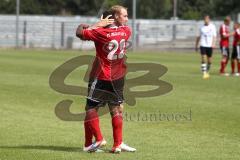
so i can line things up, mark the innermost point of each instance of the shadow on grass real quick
(41, 147)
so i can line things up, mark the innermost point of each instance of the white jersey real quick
(206, 33)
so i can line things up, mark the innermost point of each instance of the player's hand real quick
(213, 46)
(105, 21)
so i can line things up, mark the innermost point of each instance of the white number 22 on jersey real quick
(113, 47)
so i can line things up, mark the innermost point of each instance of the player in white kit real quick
(207, 38)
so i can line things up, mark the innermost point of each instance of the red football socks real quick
(117, 125)
(91, 125)
(223, 65)
(88, 134)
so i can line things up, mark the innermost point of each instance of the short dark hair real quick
(206, 15)
(107, 13)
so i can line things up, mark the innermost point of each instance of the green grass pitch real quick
(29, 128)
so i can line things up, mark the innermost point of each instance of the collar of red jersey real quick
(114, 26)
(111, 26)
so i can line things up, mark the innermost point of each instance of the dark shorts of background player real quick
(206, 51)
(236, 52)
(225, 51)
(102, 92)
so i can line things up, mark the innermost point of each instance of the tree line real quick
(150, 9)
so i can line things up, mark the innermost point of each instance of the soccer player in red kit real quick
(236, 50)
(224, 44)
(106, 79)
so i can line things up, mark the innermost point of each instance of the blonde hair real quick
(116, 9)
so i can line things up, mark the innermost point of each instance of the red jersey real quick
(224, 30)
(236, 39)
(110, 44)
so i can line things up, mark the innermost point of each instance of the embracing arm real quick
(79, 31)
(102, 23)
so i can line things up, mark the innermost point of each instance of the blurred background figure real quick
(235, 58)
(224, 32)
(207, 38)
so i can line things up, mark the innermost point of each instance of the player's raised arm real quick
(102, 23)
